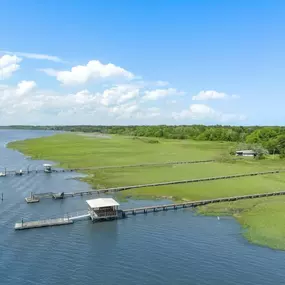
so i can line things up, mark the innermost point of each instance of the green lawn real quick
(261, 218)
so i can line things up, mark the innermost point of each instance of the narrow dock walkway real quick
(26, 172)
(186, 204)
(142, 210)
(43, 223)
(63, 195)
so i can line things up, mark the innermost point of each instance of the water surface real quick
(173, 247)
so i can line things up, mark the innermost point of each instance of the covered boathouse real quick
(104, 209)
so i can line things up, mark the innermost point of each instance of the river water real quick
(158, 248)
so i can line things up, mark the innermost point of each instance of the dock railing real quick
(76, 215)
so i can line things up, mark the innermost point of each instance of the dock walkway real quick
(70, 219)
(38, 196)
(33, 171)
(43, 223)
(186, 204)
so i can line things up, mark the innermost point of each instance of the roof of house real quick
(247, 150)
(102, 202)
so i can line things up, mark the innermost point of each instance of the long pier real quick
(142, 210)
(35, 197)
(33, 171)
(193, 204)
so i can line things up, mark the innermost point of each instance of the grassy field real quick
(261, 218)
(74, 150)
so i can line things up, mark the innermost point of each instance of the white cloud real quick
(94, 69)
(24, 87)
(154, 109)
(212, 95)
(125, 111)
(160, 93)
(36, 56)
(204, 112)
(171, 102)
(121, 104)
(49, 71)
(119, 94)
(161, 83)
(8, 65)
(23, 99)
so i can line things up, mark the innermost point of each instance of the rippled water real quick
(157, 248)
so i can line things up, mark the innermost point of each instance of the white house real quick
(246, 153)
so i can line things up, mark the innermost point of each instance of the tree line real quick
(270, 138)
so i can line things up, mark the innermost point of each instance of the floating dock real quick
(43, 223)
(32, 199)
(96, 212)
(63, 195)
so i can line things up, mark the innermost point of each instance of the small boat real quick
(2, 174)
(58, 195)
(19, 172)
(47, 168)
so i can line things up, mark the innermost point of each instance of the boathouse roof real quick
(102, 202)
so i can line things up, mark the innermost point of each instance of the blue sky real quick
(170, 62)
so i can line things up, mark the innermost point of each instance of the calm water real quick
(159, 248)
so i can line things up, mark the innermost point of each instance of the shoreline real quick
(236, 211)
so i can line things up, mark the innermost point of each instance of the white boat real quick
(47, 168)
(2, 174)
(19, 173)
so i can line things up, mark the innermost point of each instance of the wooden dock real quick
(141, 210)
(43, 223)
(26, 172)
(194, 204)
(63, 195)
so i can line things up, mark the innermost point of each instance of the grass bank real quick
(261, 218)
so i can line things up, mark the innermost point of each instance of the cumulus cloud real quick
(204, 112)
(212, 95)
(36, 56)
(119, 94)
(117, 101)
(125, 111)
(120, 103)
(93, 70)
(160, 93)
(8, 65)
(25, 87)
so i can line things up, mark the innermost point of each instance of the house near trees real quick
(248, 152)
